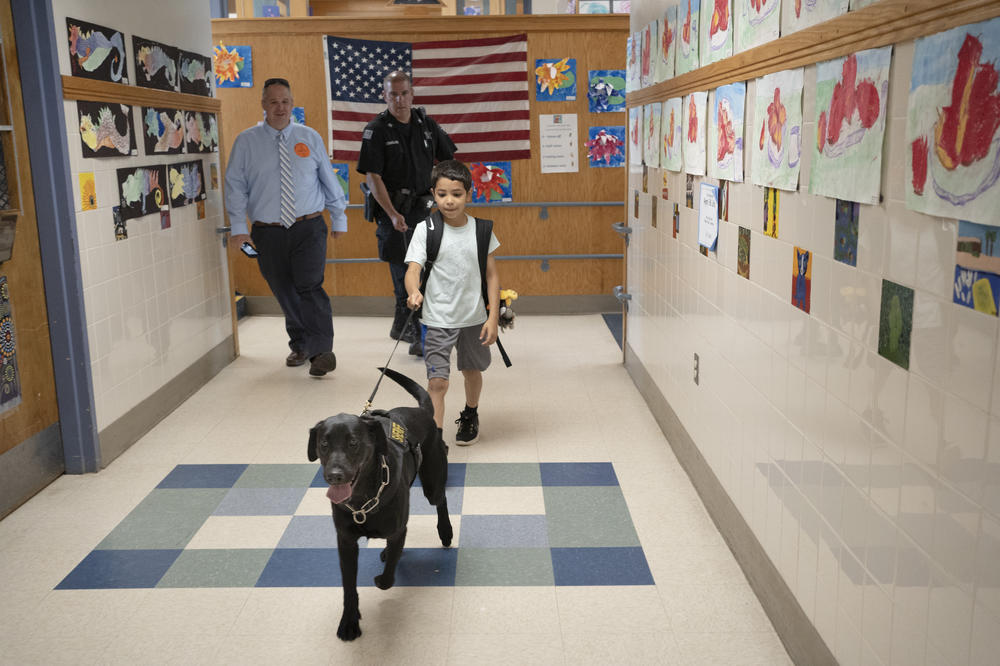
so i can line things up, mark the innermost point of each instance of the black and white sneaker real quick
(468, 428)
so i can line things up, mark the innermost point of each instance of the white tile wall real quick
(157, 301)
(874, 490)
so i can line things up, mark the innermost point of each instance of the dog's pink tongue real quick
(340, 493)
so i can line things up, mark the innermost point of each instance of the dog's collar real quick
(361, 515)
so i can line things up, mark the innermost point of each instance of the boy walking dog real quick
(460, 297)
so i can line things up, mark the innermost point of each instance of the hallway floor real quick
(579, 538)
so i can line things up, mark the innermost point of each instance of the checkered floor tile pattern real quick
(270, 526)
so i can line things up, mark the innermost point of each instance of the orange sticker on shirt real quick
(302, 150)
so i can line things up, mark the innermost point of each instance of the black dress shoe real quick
(320, 364)
(295, 359)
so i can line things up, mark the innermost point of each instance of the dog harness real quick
(394, 432)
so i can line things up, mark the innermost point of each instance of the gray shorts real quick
(439, 342)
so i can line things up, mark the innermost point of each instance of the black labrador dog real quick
(370, 462)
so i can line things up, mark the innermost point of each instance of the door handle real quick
(622, 230)
(622, 296)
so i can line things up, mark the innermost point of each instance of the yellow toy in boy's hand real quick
(507, 296)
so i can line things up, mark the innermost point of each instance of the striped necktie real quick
(287, 184)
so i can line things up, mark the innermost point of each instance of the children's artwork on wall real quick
(632, 62)
(200, 208)
(801, 278)
(635, 135)
(635, 208)
(164, 218)
(743, 253)
(163, 130)
(555, 80)
(689, 191)
(645, 179)
(977, 267)
(106, 129)
(845, 235)
(687, 37)
(606, 146)
(776, 136)
(798, 14)
(663, 68)
(851, 95)
(695, 132)
(771, 212)
(201, 132)
(724, 200)
(671, 139)
(88, 191)
(651, 120)
(96, 52)
(677, 218)
(214, 170)
(716, 30)
(725, 132)
(953, 124)
(299, 115)
(141, 190)
(121, 230)
(155, 64)
(232, 66)
(649, 37)
(606, 90)
(10, 380)
(491, 181)
(665, 192)
(196, 73)
(186, 182)
(895, 323)
(652, 215)
(758, 23)
(342, 170)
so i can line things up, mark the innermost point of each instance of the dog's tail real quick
(413, 388)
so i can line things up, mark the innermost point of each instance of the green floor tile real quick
(502, 474)
(504, 566)
(277, 476)
(592, 516)
(217, 568)
(166, 518)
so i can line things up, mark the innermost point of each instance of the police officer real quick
(398, 148)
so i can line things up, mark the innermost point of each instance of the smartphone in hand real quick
(249, 250)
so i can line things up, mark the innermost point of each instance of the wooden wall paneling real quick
(885, 22)
(38, 408)
(293, 48)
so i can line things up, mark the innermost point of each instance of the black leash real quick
(368, 405)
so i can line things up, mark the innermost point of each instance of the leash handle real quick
(371, 398)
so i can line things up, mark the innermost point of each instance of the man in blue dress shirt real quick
(279, 178)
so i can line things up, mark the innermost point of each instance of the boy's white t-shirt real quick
(453, 298)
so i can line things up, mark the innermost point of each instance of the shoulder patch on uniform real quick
(367, 134)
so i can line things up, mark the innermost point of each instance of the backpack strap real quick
(435, 232)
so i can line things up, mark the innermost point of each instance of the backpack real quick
(484, 230)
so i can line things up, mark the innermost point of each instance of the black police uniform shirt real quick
(404, 153)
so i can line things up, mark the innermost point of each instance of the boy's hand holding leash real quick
(415, 300)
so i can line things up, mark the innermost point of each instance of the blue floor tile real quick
(302, 567)
(203, 476)
(600, 566)
(456, 475)
(419, 506)
(116, 569)
(578, 474)
(506, 531)
(309, 532)
(418, 567)
(260, 502)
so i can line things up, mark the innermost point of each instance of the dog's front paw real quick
(350, 626)
(384, 581)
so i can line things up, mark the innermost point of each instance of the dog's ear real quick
(311, 446)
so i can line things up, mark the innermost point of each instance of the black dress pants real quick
(293, 261)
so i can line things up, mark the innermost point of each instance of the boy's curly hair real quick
(452, 170)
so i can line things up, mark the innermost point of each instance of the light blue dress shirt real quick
(253, 177)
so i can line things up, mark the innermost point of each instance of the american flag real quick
(476, 89)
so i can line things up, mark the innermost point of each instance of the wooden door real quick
(28, 404)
